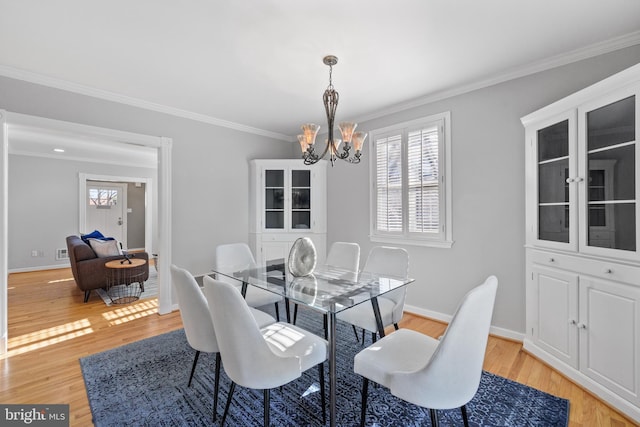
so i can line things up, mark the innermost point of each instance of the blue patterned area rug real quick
(145, 384)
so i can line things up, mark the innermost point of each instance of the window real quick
(411, 194)
(102, 197)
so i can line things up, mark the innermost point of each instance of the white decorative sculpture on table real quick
(302, 257)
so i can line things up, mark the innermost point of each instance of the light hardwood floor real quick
(50, 329)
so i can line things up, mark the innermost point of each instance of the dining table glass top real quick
(328, 289)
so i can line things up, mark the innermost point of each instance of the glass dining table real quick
(328, 290)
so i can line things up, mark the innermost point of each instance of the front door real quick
(106, 209)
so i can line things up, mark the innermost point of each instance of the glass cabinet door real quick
(554, 210)
(274, 199)
(611, 180)
(301, 199)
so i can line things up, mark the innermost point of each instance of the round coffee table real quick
(125, 281)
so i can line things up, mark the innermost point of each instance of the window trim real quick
(444, 239)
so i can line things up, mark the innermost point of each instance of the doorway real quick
(106, 209)
(10, 122)
(143, 224)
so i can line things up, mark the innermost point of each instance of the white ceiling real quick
(257, 65)
(35, 140)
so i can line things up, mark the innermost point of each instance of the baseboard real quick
(446, 318)
(601, 392)
(39, 268)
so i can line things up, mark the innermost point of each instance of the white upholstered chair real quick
(260, 358)
(431, 373)
(383, 260)
(344, 255)
(236, 257)
(196, 320)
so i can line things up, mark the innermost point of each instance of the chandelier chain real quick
(330, 77)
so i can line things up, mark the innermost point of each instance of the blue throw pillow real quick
(95, 234)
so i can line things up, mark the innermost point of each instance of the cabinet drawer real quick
(288, 237)
(603, 269)
(600, 235)
(266, 237)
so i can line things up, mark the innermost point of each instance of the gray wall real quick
(210, 176)
(488, 189)
(44, 206)
(210, 179)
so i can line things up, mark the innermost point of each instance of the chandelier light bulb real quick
(358, 140)
(303, 143)
(346, 129)
(310, 130)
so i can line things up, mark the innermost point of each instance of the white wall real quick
(488, 189)
(210, 164)
(44, 205)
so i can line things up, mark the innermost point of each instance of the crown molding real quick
(566, 58)
(31, 77)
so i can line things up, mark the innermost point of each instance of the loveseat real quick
(88, 269)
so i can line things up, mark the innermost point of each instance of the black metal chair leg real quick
(355, 332)
(362, 336)
(295, 313)
(463, 409)
(434, 418)
(325, 323)
(267, 406)
(86, 295)
(193, 368)
(216, 386)
(374, 337)
(226, 408)
(396, 326)
(363, 406)
(277, 312)
(322, 401)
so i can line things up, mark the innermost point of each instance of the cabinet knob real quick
(608, 271)
(579, 179)
(572, 322)
(552, 260)
(582, 326)
(569, 180)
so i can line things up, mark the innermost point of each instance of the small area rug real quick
(150, 288)
(145, 384)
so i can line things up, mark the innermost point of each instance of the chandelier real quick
(349, 138)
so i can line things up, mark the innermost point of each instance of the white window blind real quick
(389, 183)
(423, 176)
(410, 200)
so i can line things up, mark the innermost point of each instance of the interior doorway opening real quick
(13, 123)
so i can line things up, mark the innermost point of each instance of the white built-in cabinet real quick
(288, 200)
(582, 232)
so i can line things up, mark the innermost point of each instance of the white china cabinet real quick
(582, 259)
(288, 200)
